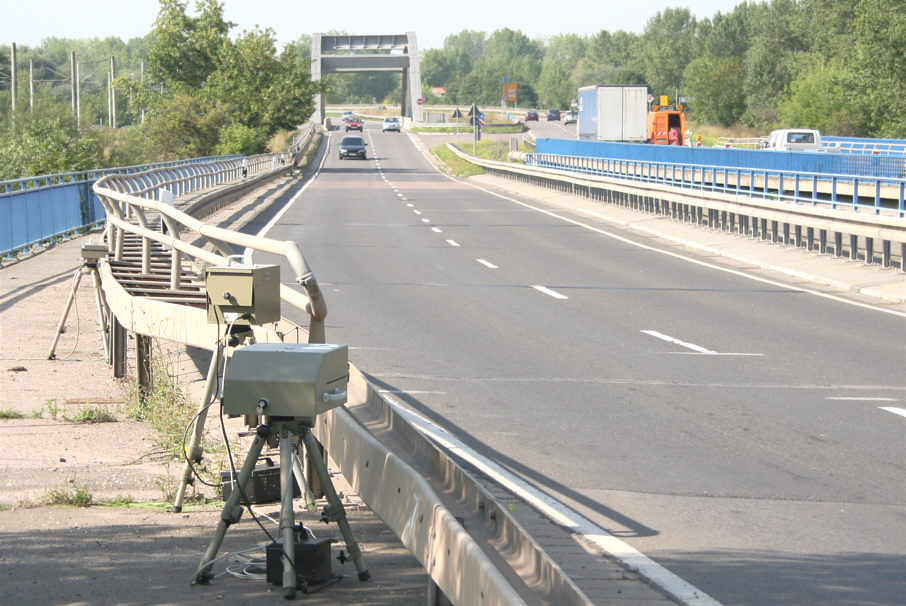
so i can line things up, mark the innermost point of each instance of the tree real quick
(186, 49)
(668, 45)
(561, 56)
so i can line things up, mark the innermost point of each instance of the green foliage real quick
(240, 139)
(77, 496)
(9, 413)
(91, 415)
(45, 141)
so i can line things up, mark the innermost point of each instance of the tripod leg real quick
(103, 310)
(308, 499)
(335, 511)
(72, 293)
(231, 509)
(195, 451)
(287, 521)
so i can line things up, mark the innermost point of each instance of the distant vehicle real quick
(347, 116)
(354, 124)
(531, 115)
(353, 147)
(666, 124)
(570, 117)
(613, 113)
(381, 107)
(391, 123)
(553, 114)
(794, 139)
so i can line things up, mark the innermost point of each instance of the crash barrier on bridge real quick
(405, 499)
(856, 145)
(700, 195)
(38, 210)
(824, 164)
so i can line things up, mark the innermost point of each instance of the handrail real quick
(687, 195)
(128, 212)
(762, 182)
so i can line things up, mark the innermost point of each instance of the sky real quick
(27, 22)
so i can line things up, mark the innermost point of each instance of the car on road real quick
(553, 114)
(570, 117)
(347, 116)
(531, 115)
(391, 123)
(353, 146)
(354, 124)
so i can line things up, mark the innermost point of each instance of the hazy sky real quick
(27, 22)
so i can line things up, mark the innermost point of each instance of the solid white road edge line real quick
(894, 410)
(560, 513)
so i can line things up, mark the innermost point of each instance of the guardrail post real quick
(143, 365)
(117, 348)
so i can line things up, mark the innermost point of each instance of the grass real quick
(9, 413)
(170, 413)
(77, 496)
(456, 165)
(91, 415)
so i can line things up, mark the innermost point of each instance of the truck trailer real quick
(613, 113)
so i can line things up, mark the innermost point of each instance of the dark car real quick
(553, 114)
(354, 124)
(352, 147)
(531, 115)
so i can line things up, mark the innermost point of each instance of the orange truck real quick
(664, 118)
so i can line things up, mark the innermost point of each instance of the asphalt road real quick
(734, 430)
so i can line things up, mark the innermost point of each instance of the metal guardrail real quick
(703, 195)
(404, 499)
(38, 210)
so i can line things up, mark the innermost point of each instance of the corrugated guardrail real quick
(403, 498)
(864, 235)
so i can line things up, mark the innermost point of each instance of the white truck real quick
(613, 113)
(794, 139)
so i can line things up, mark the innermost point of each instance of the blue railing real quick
(841, 180)
(887, 195)
(855, 145)
(41, 209)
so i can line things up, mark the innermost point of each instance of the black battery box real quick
(311, 560)
(263, 486)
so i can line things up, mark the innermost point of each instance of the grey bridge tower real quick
(342, 54)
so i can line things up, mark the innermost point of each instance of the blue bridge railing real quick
(839, 180)
(35, 210)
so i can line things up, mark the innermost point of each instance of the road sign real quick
(419, 101)
(457, 113)
(509, 91)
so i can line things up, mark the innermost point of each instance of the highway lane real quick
(734, 430)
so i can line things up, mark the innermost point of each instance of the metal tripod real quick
(283, 429)
(89, 266)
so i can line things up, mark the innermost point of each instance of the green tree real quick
(561, 56)
(186, 49)
(668, 45)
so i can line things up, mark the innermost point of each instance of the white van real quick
(795, 139)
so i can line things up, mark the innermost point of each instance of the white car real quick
(347, 116)
(392, 123)
(571, 117)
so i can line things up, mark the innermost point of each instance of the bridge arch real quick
(335, 54)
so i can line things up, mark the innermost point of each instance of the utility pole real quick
(31, 85)
(112, 95)
(12, 80)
